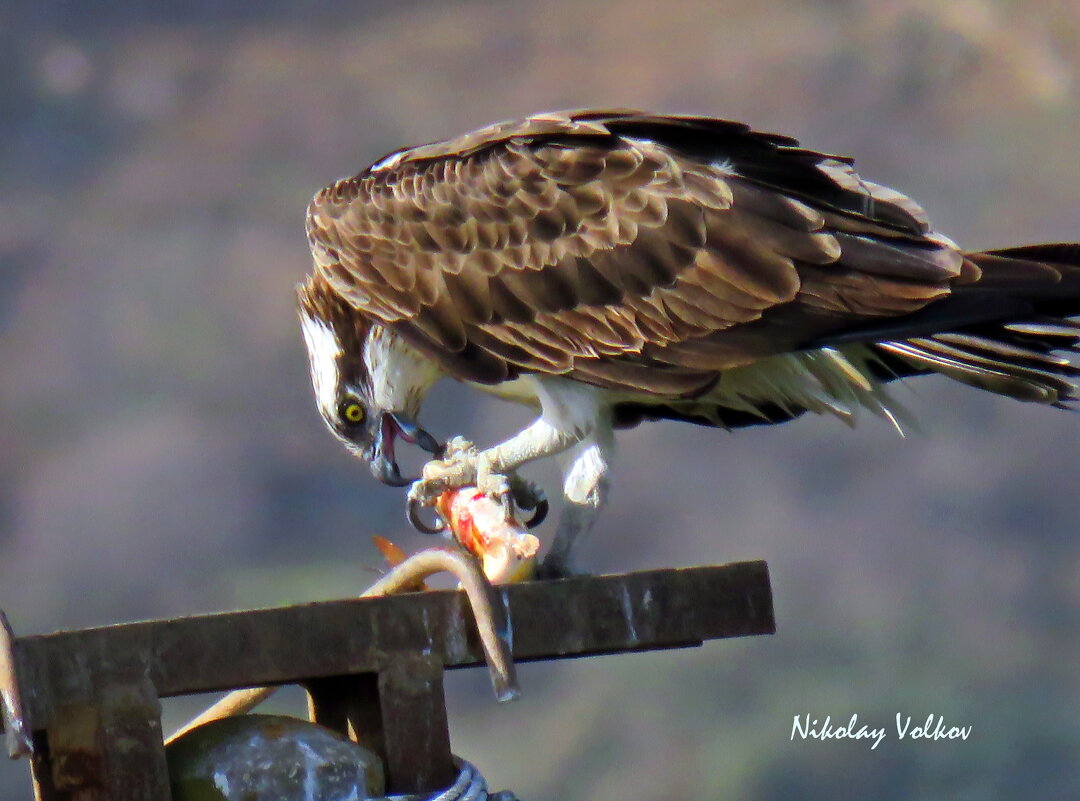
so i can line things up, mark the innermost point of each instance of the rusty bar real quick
(328, 703)
(566, 618)
(131, 739)
(490, 617)
(76, 761)
(41, 771)
(365, 713)
(415, 728)
(350, 706)
(639, 611)
(106, 748)
(400, 714)
(12, 722)
(489, 614)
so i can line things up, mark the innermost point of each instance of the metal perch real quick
(489, 615)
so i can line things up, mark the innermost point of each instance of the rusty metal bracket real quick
(490, 617)
(373, 666)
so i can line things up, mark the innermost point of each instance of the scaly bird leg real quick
(573, 415)
(493, 470)
(585, 487)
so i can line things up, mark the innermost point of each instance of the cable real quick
(469, 786)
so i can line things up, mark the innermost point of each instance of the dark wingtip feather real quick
(1063, 253)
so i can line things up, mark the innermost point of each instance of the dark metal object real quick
(386, 712)
(487, 611)
(373, 665)
(415, 729)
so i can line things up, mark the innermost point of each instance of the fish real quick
(507, 552)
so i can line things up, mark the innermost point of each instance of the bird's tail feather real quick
(1024, 351)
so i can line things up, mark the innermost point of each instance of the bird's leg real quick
(586, 488)
(493, 470)
(456, 467)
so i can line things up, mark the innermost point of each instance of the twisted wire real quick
(470, 785)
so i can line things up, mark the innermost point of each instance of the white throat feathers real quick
(400, 375)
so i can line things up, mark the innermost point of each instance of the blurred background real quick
(160, 453)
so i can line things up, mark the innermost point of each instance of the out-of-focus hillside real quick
(160, 454)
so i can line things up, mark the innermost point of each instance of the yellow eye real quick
(354, 413)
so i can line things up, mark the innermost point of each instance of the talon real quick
(412, 513)
(528, 496)
(540, 513)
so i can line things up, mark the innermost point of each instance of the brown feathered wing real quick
(635, 252)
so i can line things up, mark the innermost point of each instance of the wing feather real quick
(624, 249)
(748, 264)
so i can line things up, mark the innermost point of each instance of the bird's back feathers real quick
(648, 254)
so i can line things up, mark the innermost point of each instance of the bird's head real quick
(364, 410)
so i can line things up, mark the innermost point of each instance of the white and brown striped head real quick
(368, 383)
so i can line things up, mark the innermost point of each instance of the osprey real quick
(610, 267)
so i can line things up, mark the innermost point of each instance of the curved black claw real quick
(540, 513)
(527, 496)
(412, 513)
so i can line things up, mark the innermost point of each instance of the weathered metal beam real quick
(131, 743)
(567, 618)
(350, 706)
(105, 748)
(415, 728)
(400, 714)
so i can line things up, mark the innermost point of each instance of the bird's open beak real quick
(392, 425)
(409, 431)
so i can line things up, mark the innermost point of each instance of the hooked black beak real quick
(384, 466)
(413, 434)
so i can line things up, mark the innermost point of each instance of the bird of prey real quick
(608, 267)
